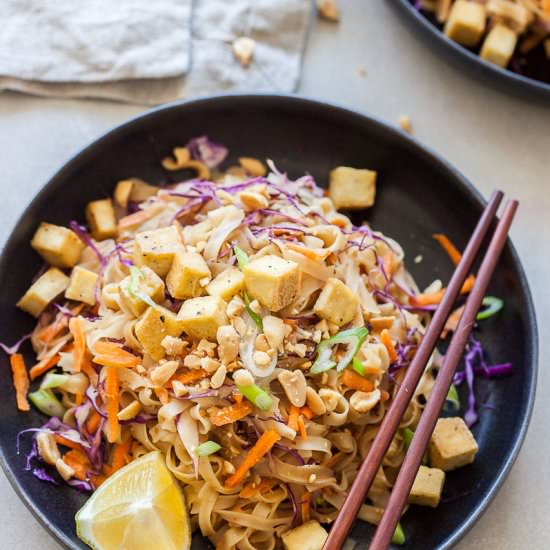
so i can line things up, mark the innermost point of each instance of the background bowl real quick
(418, 194)
(536, 85)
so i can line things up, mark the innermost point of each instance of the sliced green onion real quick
(53, 380)
(353, 338)
(492, 305)
(207, 448)
(407, 437)
(357, 366)
(241, 255)
(135, 276)
(253, 315)
(452, 401)
(46, 402)
(398, 535)
(257, 396)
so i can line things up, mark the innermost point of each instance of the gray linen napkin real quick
(147, 51)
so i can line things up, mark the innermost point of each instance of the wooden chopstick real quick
(426, 425)
(365, 476)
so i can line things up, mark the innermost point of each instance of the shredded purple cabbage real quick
(83, 486)
(207, 151)
(294, 503)
(85, 237)
(292, 452)
(42, 475)
(10, 350)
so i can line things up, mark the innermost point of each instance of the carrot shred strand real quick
(355, 381)
(20, 381)
(112, 398)
(386, 340)
(452, 251)
(43, 366)
(231, 414)
(260, 449)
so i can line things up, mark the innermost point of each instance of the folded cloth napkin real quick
(149, 52)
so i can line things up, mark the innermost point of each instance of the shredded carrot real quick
(162, 394)
(20, 381)
(79, 462)
(291, 322)
(67, 442)
(79, 343)
(79, 398)
(386, 340)
(120, 455)
(430, 299)
(339, 222)
(253, 488)
(468, 285)
(231, 414)
(305, 506)
(302, 427)
(238, 397)
(384, 395)
(89, 370)
(451, 250)
(112, 397)
(452, 321)
(261, 448)
(355, 381)
(371, 369)
(43, 366)
(191, 376)
(381, 323)
(92, 424)
(307, 413)
(51, 331)
(329, 462)
(389, 264)
(293, 416)
(97, 480)
(111, 354)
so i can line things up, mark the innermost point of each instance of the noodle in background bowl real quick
(418, 195)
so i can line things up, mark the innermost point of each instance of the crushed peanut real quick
(328, 9)
(243, 50)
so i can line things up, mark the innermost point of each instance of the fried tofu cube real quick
(201, 317)
(82, 286)
(101, 219)
(58, 245)
(499, 45)
(174, 326)
(273, 281)
(122, 193)
(149, 283)
(336, 303)
(352, 187)
(466, 23)
(427, 487)
(227, 284)
(308, 536)
(150, 332)
(156, 249)
(45, 289)
(452, 444)
(188, 275)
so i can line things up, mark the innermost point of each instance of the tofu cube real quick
(101, 219)
(273, 281)
(45, 289)
(82, 286)
(201, 317)
(466, 23)
(227, 284)
(122, 193)
(156, 249)
(336, 303)
(427, 487)
(352, 188)
(150, 283)
(188, 275)
(174, 326)
(499, 45)
(308, 536)
(150, 332)
(452, 444)
(58, 245)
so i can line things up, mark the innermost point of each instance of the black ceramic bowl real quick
(418, 194)
(533, 82)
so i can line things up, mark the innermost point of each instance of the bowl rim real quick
(528, 87)
(316, 103)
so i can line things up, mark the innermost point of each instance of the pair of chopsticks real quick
(426, 425)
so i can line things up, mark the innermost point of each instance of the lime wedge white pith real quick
(140, 507)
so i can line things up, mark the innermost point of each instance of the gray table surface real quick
(496, 140)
